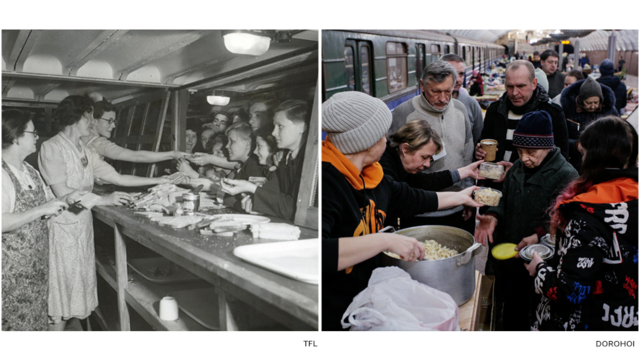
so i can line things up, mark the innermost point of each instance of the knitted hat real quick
(355, 121)
(606, 67)
(589, 88)
(542, 79)
(534, 131)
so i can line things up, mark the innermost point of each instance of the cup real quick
(490, 146)
(168, 309)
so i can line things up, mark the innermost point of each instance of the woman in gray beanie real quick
(356, 198)
(584, 102)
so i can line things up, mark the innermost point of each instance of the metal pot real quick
(454, 275)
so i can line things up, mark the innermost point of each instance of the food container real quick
(491, 170)
(544, 251)
(487, 196)
(190, 203)
(490, 146)
(454, 275)
(548, 240)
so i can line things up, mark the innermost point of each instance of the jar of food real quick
(491, 170)
(487, 196)
(189, 203)
(178, 211)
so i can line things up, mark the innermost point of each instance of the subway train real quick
(388, 64)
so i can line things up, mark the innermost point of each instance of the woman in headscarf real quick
(591, 283)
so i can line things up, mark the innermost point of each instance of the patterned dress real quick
(72, 278)
(25, 262)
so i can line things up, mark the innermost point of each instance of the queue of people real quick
(558, 180)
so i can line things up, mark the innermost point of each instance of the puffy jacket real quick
(591, 283)
(578, 121)
(618, 87)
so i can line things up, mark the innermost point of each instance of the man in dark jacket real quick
(612, 81)
(549, 64)
(522, 96)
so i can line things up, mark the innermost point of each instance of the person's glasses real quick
(34, 132)
(110, 121)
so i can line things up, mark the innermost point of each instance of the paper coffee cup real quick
(168, 309)
(490, 146)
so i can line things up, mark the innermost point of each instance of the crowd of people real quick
(48, 266)
(570, 171)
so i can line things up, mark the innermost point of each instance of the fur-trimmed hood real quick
(569, 95)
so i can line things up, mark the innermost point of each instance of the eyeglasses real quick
(34, 132)
(110, 121)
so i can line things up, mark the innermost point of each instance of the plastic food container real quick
(491, 170)
(548, 240)
(487, 196)
(544, 251)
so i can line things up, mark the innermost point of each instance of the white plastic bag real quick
(393, 301)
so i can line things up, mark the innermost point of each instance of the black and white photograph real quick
(159, 180)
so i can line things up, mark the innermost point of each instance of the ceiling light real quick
(218, 100)
(243, 42)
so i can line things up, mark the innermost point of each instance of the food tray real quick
(295, 259)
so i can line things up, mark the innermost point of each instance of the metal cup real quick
(168, 309)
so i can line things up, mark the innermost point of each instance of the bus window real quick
(348, 61)
(396, 66)
(365, 68)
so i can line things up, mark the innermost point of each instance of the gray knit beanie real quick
(355, 121)
(589, 88)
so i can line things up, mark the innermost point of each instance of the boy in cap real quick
(530, 186)
(356, 198)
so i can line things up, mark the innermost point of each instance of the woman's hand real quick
(234, 187)
(531, 267)
(206, 183)
(200, 158)
(529, 240)
(471, 170)
(54, 207)
(116, 198)
(466, 199)
(507, 165)
(184, 167)
(485, 229)
(408, 248)
(74, 196)
(177, 155)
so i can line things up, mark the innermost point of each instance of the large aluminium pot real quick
(454, 275)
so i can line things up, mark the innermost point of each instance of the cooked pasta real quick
(487, 196)
(435, 251)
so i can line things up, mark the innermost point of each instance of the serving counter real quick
(289, 302)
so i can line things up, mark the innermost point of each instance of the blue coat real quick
(576, 122)
(618, 87)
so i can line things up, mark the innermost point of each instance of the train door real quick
(359, 66)
(421, 60)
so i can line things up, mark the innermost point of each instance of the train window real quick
(464, 53)
(435, 49)
(421, 59)
(348, 61)
(365, 68)
(447, 49)
(397, 55)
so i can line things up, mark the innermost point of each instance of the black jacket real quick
(495, 122)
(591, 283)
(556, 83)
(578, 121)
(347, 212)
(618, 87)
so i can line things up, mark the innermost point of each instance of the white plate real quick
(241, 218)
(294, 259)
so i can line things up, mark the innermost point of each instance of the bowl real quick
(544, 251)
(487, 196)
(491, 170)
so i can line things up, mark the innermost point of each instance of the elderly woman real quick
(68, 165)
(356, 198)
(98, 140)
(584, 102)
(412, 150)
(591, 283)
(26, 203)
(530, 186)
